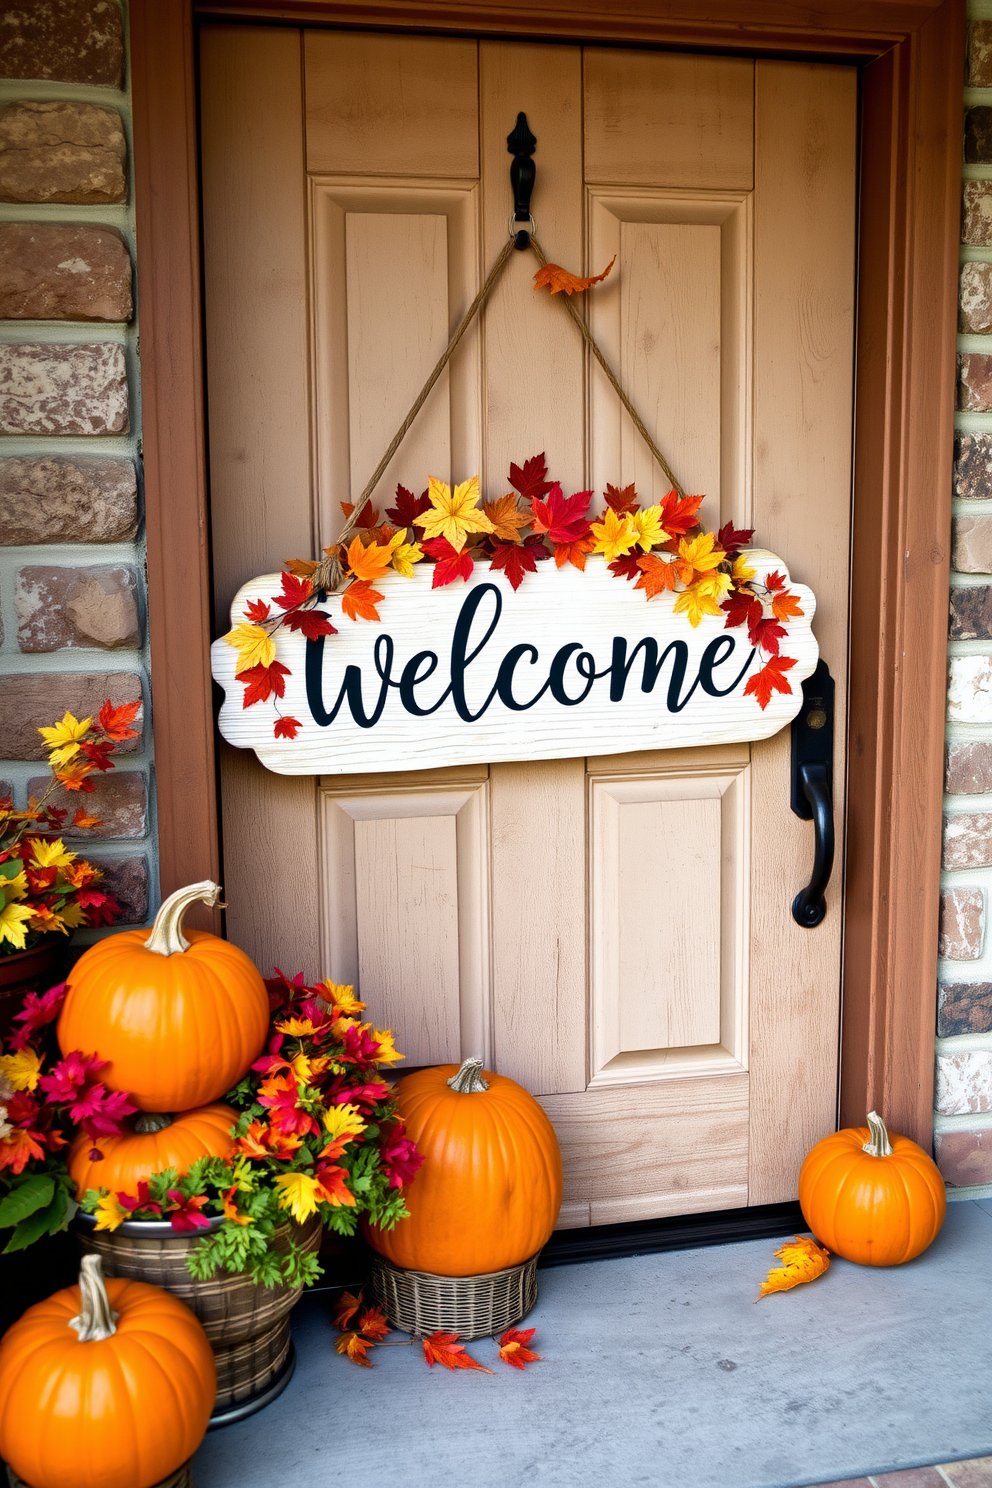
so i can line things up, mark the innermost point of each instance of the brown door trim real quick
(911, 153)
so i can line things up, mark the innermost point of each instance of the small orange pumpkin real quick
(489, 1191)
(104, 1385)
(150, 1145)
(871, 1198)
(180, 1019)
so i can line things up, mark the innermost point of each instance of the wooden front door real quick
(614, 932)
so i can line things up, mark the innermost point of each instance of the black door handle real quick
(812, 793)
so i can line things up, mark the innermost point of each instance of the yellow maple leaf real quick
(454, 514)
(695, 603)
(613, 536)
(701, 552)
(715, 584)
(341, 1121)
(49, 854)
(296, 1193)
(647, 525)
(73, 915)
(405, 556)
(341, 997)
(109, 1213)
(388, 1053)
(742, 570)
(803, 1260)
(15, 887)
(506, 517)
(67, 732)
(255, 647)
(22, 1069)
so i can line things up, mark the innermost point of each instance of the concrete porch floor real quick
(656, 1370)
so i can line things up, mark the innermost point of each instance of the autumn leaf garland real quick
(661, 549)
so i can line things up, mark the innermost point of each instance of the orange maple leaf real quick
(558, 280)
(373, 1324)
(82, 818)
(656, 575)
(769, 680)
(368, 563)
(444, 1348)
(785, 605)
(803, 1261)
(301, 567)
(359, 601)
(356, 1348)
(513, 1347)
(115, 721)
(345, 1308)
(574, 553)
(506, 517)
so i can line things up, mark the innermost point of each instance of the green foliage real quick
(37, 1204)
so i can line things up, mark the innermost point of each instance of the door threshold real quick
(679, 1232)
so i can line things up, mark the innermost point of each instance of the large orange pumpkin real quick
(104, 1385)
(872, 1198)
(150, 1145)
(489, 1191)
(180, 1019)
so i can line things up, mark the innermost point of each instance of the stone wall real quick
(72, 609)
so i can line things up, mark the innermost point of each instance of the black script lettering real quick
(412, 676)
(712, 658)
(461, 657)
(556, 676)
(504, 677)
(351, 687)
(620, 666)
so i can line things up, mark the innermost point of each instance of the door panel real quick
(615, 933)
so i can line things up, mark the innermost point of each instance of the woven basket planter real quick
(472, 1306)
(181, 1478)
(248, 1325)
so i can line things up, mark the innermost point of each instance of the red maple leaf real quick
(313, 623)
(741, 608)
(623, 499)
(257, 610)
(731, 539)
(368, 517)
(678, 513)
(444, 1348)
(262, 681)
(775, 581)
(408, 507)
(562, 518)
(294, 591)
(345, 1308)
(286, 727)
(515, 560)
(531, 479)
(770, 679)
(513, 1347)
(766, 633)
(450, 564)
(627, 567)
(115, 721)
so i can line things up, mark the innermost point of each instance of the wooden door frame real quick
(912, 59)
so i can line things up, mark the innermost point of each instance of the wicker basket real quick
(472, 1306)
(181, 1478)
(247, 1325)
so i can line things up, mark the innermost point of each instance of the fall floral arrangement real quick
(44, 888)
(661, 548)
(317, 1135)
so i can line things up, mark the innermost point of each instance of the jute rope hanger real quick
(328, 575)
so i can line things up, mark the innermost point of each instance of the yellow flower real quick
(341, 997)
(342, 1121)
(73, 915)
(255, 647)
(61, 756)
(701, 552)
(405, 556)
(647, 525)
(16, 887)
(49, 854)
(742, 571)
(388, 1053)
(12, 921)
(308, 1070)
(67, 732)
(296, 1027)
(614, 536)
(695, 602)
(109, 1213)
(454, 516)
(22, 1069)
(296, 1193)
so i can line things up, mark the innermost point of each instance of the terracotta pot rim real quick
(150, 1229)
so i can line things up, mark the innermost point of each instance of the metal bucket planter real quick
(248, 1325)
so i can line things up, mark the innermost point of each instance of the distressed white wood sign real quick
(571, 664)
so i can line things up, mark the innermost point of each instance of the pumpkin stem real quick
(147, 1122)
(97, 1319)
(167, 938)
(468, 1080)
(879, 1144)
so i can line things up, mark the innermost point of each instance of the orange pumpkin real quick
(872, 1198)
(152, 1144)
(180, 1019)
(489, 1191)
(104, 1385)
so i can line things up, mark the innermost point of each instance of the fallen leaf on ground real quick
(444, 1348)
(345, 1308)
(356, 1348)
(513, 1347)
(373, 1324)
(802, 1259)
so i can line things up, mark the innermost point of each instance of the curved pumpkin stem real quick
(468, 1080)
(879, 1144)
(167, 938)
(148, 1122)
(97, 1319)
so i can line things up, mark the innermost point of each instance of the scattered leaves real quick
(356, 1348)
(444, 1348)
(803, 1260)
(513, 1348)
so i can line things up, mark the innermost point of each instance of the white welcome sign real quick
(572, 663)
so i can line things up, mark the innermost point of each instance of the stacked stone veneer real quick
(72, 621)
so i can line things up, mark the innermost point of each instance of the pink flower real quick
(141, 1200)
(359, 1046)
(71, 1075)
(399, 1157)
(187, 1216)
(88, 1102)
(36, 1013)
